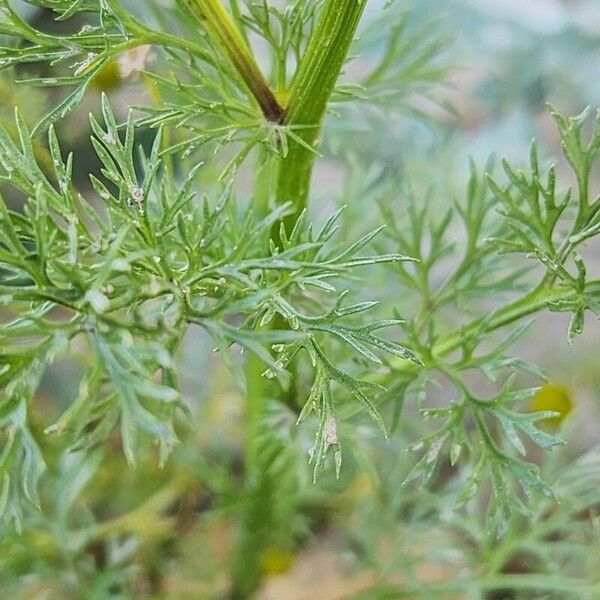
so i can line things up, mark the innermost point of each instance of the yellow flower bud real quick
(552, 397)
(109, 77)
(274, 561)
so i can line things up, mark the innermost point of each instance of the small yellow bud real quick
(109, 77)
(556, 398)
(274, 561)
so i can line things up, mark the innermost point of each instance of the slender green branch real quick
(219, 25)
(311, 90)
(529, 304)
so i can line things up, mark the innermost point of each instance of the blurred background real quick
(159, 533)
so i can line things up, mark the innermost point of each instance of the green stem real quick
(219, 25)
(311, 90)
(237, 17)
(263, 525)
(529, 304)
(536, 300)
(256, 526)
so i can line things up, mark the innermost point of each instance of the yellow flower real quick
(556, 398)
(274, 561)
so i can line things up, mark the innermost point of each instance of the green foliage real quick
(526, 216)
(129, 283)
(116, 276)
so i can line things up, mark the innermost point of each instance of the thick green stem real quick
(219, 25)
(311, 90)
(265, 523)
(255, 522)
